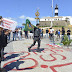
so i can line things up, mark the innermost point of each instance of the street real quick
(53, 57)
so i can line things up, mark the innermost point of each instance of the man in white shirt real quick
(51, 30)
(52, 34)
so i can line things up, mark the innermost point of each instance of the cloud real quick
(30, 18)
(26, 17)
(45, 16)
(9, 18)
(22, 17)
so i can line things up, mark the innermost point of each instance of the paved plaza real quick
(53, 57)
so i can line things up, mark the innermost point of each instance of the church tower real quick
(56, 10)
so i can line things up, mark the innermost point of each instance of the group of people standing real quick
(50, 33)
(17, 33)
(63, 33)
(37, 35)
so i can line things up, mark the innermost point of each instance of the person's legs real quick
(2, 54)
(68, 37)
(42, 35)
(13, 36)
(0, 57)
(27, 35)
(62, 38)
(38, 48)
(50, 36)
(9, 36)
(53, 37)
(59, 36)
(20, 37)
(31, 46)
(47, 35)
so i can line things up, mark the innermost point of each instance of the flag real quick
(28, 26)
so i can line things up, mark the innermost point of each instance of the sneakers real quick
(29, 50)
(38, 51)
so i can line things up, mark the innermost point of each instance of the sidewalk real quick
(53, 58)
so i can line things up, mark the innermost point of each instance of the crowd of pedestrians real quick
(51, 34)
(18, 34)
(37, 34)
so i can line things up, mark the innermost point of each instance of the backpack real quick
(37, 32)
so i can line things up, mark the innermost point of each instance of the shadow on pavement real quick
(13, 65)
(11, 56)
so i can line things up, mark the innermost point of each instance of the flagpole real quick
(52, 8)
(52, 14)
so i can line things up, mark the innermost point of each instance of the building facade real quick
(56, 20)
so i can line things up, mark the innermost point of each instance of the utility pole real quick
(52, 8)
(52, 14)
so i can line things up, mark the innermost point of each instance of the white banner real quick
(9, 24)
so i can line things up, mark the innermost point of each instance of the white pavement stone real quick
(51, 58)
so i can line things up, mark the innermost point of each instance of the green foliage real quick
(58, 26)
(66, 41)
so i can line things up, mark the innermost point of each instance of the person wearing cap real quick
(68, 33)
(36, 37)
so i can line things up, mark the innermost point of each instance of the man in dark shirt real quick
(3, 40)
(68, 33)
(63, 33)
(36, 37)
(15, 34)
(3, 43)
(26, 34)
(47, 32)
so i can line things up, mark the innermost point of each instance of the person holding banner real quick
(3, 40)
(36, 37)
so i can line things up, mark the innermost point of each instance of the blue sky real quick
(19, 10)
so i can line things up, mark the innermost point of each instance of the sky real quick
(20, 10)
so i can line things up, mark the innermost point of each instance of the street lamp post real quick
(52, 8)
(37, 14)
(52, 14)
